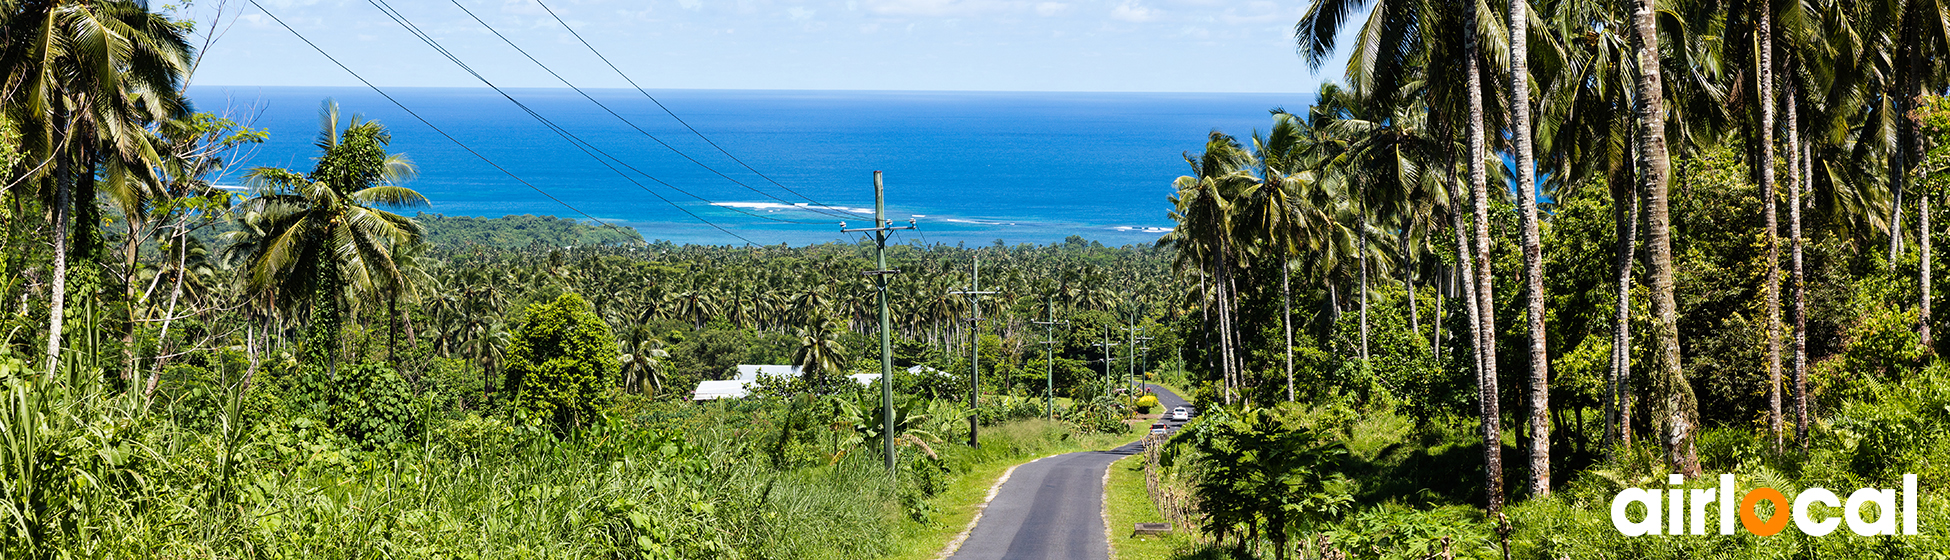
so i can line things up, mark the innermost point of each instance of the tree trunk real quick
(1286, 320)
(1625, 209)
(1678, 410)
(1364, 291)
(1764, 85)
(1486, 380)
(1533, 255)
(1800, 300)
(58, 285)
(1408, 284)
(175, 295)
(1913, 148)
(1923, 271)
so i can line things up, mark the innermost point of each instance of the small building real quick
(711, 390)
(749, 376)
(750, 372)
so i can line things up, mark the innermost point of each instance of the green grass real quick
(1130, 503)
(1003, 446)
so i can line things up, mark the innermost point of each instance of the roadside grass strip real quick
(1127, 503)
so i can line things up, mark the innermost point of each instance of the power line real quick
(423, 120)
(633, 125)
(667, 111)
(577, 141)
(574, 140)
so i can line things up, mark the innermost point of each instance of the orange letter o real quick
(1775, 523)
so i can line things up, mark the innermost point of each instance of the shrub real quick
(561, 355)
(1146, 403)
(374, 406)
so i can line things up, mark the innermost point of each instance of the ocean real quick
(968, 167)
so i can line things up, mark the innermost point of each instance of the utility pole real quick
(881, 226)
(1049, 357)
(974, 293)
(1107, 345)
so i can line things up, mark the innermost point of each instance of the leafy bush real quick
(1146, 403)
(561, 355)
(374, 406)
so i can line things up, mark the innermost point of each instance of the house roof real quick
(750, 372)
(714, 390)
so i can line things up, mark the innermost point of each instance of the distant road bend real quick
(1052, 508)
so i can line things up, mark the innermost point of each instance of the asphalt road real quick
(1052, 508)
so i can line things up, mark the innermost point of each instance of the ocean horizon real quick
(968, 167)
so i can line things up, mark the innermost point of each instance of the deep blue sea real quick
(969, 167)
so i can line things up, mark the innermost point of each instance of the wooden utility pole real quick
(974, 293)
(1049, 357)
(881, 226)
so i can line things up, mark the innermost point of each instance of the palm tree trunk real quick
(1533, 256)
(1923, 271)
(1678, 409)
(1625, 207)
(1286, 320)
(1408, 283)
(1800, 301)
(1913, 149)
(58, 286)
(1364, 291)
(1764, 86)
(1793, 146)
(1228, 294)
(1486, 381)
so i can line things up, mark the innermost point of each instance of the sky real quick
(948, 45)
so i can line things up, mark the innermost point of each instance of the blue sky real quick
(1001, 45)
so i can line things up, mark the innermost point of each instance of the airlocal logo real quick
(1683, 511)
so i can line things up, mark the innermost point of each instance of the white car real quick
(1159, 429)
(1180, 415)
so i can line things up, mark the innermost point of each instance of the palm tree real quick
(1533, 254)
(820, 355)
(1205, 236)
(83, 77)
(642, 358)
(309, 236)
(1277, 217)
(1677, 410)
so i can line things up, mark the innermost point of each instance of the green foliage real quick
(560, 359)
(9, 145)
(374, 406)
(1267, 475)
(513, 232)
(1146, 403)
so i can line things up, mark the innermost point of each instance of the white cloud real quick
(692, 5)
(936, 8)
(798, 13)
(1131, 12)
(1051, 8)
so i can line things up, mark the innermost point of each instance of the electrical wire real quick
(577, 141)
(573, 140)
(423, 120)
(633, 125)
(667, 111)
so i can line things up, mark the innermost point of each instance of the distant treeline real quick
(520, 231)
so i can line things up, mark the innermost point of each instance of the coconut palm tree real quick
(1205, 237)
(1677, 415)
(309, 236)
(642, 359)
(83, 78)
(820, 356)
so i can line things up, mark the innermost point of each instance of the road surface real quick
(1052, 508)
